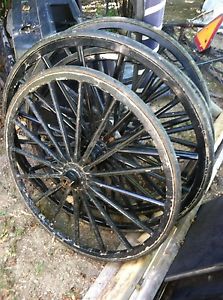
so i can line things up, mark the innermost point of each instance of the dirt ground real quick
(33, 265)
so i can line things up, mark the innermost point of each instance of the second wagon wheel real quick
(60, 158)
(176, 102)
(145, 33)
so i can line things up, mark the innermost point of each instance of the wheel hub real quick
(74, 177)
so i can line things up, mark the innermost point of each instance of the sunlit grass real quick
(4, 5)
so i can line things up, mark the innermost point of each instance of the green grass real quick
(39, 267)
(3, 7)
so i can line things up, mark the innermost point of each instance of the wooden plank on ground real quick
(140, 279)
(218, 129)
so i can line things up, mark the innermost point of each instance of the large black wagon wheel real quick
(65, 167)
(168, 46)
(175, 100)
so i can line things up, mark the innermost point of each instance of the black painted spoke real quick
(26, 142)
(118, 71)
(134, 182)
(61, 86)
(140, 188)
(34, 157)
(98, 132)
(176, 121)
(48, 193)
(147, 178)
(152, 161)
(153, 152)
(94, 225)
(77, 147)
(173, 114)
(186, 155)
(60, 119)
(90, 90)
(50, 108)
(28, 117)
(126, 172)
(180, 129)
(62, 201)
(148, 84)
(45, 126)
(167, 107)
(157, 94)
(36, 140)
(122, 211)
(67, 51)
(182, 142)
(142, 79)
(151, 89)
(119, 125)
(130, 194)
(109, 220)
(38, 175)
(115, 149)
(81, 56)
(141, 150)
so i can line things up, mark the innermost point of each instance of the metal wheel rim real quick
(149, 122)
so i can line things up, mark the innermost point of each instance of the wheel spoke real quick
(182, 142)
(117, 159)
(50, 108)
(141, 82)
(148, 84)
(173, 114)
(118, 71)
(60, 118)
(130, 194)
(48, 193)
(118, 126)
(45, 126)
(61, 204)
(126, 172)
(36, 140)
(90, 90)
(187, 155)
(176, 121)
(36, 175)
(61, 86)
(33, 157)
(123, 212)
(146, 177)
(150, 90)
(94, 226)
(109, 221)
(115, 149)
(98, 133)
(153, 152)
(180, 129)
(167, 107)
(78, 124)
(157, 94)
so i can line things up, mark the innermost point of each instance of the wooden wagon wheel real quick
(76, 165)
